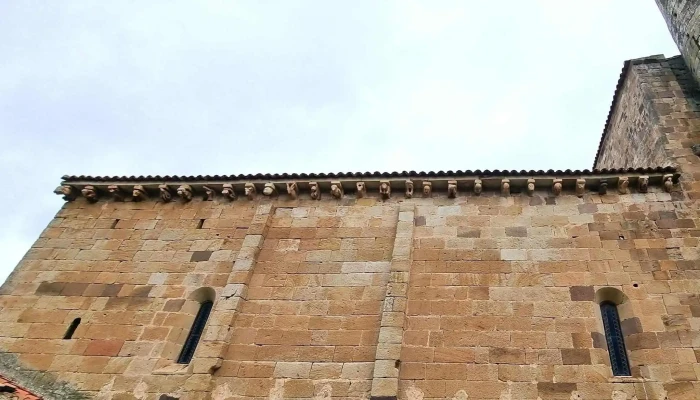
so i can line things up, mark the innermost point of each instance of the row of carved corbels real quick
(185, 192)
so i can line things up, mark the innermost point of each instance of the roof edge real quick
(618, 89)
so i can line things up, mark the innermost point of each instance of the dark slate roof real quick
(618, 90)
(341, 175)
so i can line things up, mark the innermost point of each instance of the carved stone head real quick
(556, 187)
(580, 187)
(269, 189)
(643, 184)
(530, 187)
(427, 189)
(385, 189)
(315, 191)
(478, 187)
(668, 182)
(505, 187)
(361, 190)
(622, 185)
(90, 193)
(185, 192)
(227, 192)
(165, 194)
(452, 189)
(292, 190)
(250, 191)
(209, 193)
(409, 189)
(139, 193)
(336, 189)
(68, 193)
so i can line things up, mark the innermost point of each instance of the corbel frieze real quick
(95, 191)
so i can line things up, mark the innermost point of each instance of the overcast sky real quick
(228, 87)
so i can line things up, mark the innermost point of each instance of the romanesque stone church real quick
(402, 285)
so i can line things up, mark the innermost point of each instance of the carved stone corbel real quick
(505, 187)
(530, 187)
(361, 190)
(452, 189)
(409, 189)
(68, 192)
(385, 189)
(315, 191)
(250, 191)
(622, 185)
(227, 192)
(427, 189)
(580, 187)
(165, 194)
(270, 189)
(668, 182)
(209, 193)
(556, 187)
(478, 187)
(603, 187)
(116, 193)
(643, 184)
(336, 189)
(139, 193)
(292, 190)
(90, 193)
(185, 192)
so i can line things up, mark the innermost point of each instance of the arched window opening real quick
(613, 336)
(195, 333)
(71, 329)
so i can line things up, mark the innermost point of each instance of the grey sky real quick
(228, 87)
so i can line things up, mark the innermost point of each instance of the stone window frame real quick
(624, 311)
(173, 344)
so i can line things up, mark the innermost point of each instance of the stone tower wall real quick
(683, 20)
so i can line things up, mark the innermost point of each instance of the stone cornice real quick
(385, 187)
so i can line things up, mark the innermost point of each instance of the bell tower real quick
(683, 20)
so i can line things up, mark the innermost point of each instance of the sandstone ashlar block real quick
(292, 370)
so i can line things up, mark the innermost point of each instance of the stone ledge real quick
(578, 185)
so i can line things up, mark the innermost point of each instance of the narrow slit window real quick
(71, 329)
(613, 336)
(195, 333)
(200, 224)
